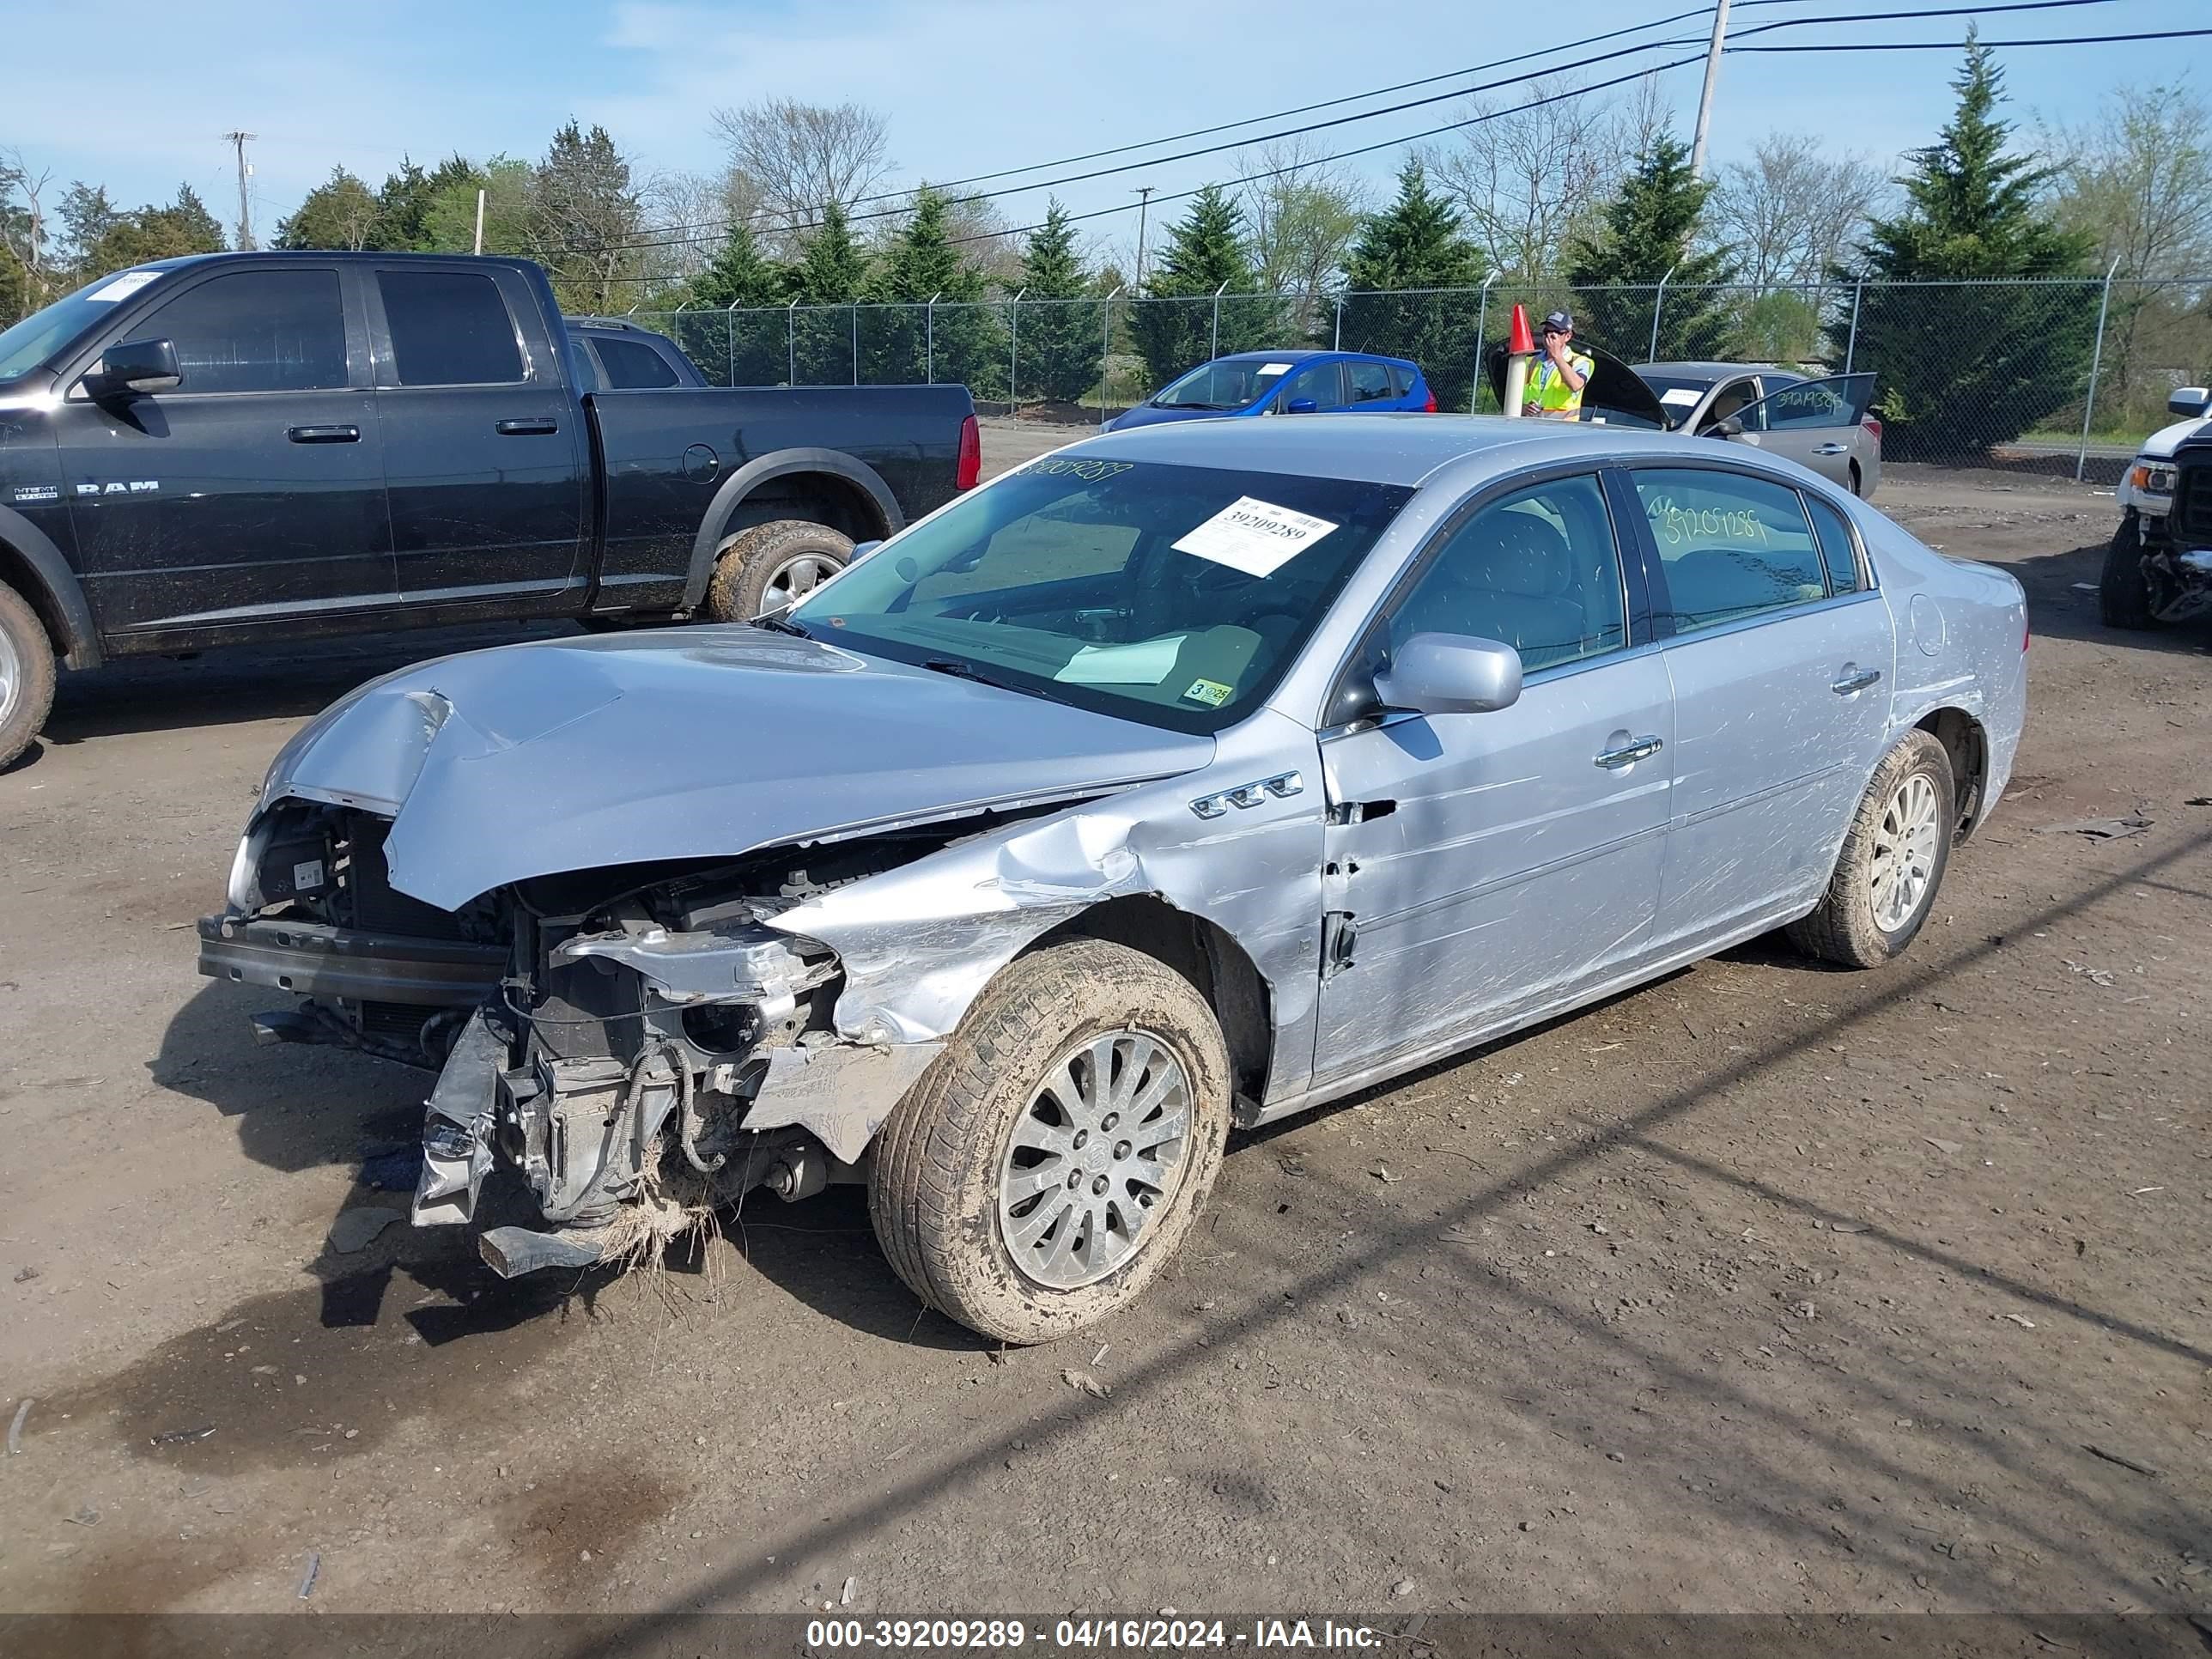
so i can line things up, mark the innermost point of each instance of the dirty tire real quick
(27, 674)
(749, 564)
(934, 1192)
(1844, 928)
(2123, 591)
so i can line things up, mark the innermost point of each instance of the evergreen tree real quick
(1415, 243)
(909, 340)
(833, 268)
(1645, 233)
(584, 219)
(341, 212)
(740, 275)
(1205, 250)
(1057, 344)
(1958, 369)
(740, 347)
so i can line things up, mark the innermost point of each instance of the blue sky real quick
(967, 86)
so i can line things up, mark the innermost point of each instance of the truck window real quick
(632, 366)
(449, 328)
(256, 331)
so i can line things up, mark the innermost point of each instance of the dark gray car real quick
(1819, 423)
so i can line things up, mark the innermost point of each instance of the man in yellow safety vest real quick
(1558, 377)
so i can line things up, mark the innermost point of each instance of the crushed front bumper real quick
(313, 959)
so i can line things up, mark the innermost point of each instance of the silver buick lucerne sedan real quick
(1182, 778)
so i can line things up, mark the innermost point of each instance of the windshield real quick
(1173, 595)
(44, 334)
(1678, 393)
(1229, 385)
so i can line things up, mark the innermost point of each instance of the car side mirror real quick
(134, 367)
(2188, 401)
(1451, 674)
(1727, 427)
(1300, 406)
(862, 550)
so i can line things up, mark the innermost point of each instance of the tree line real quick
(1594, 202)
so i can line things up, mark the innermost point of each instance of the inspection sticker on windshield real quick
(123, 287)
(1254, 537)
(1211, 693)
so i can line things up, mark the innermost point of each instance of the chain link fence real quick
(2064, 377)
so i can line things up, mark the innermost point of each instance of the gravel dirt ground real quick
(1765, 1288)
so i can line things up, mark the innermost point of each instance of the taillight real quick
(1874, 431)
(970, 468)
(1430, 407)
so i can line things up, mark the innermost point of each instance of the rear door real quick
(1482, 867)
(1814, 422)
(1781, 660)
(1370, 388)
(485, 462)
(1321, 385)
(254, 492)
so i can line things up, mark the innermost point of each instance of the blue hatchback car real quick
(1287, 383)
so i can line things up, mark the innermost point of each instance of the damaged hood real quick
(534, 759)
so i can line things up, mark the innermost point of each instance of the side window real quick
(256, 331)
(449, 328)
(633, 366)
(1837, 549)
(1731, 400)
(1319, 383)
(1730, 545)
(588, 378)
(1371, 383)
(1538, 570)
(1402, 382)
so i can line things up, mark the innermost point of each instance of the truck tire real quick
(968, 1192)
(1893, 860)
(27, 674)
(2124, 589)
(767, 567)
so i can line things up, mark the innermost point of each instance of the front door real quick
(1481, 868)
(252, 493)
(488, 472)
(1782, 664)
(1814, 422)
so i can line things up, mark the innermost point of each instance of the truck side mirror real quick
(134, 367)
(2188, 401)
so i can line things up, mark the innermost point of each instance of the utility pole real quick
(1705, 98)
(479, 243)
(1144, 203)
(238, 141)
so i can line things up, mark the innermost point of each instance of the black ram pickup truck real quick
(246, 446)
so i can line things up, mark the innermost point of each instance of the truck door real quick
(253, 491)
(484, 459)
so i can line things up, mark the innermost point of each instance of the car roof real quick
(1404, 449)
(1714, 371)
(1306, 355)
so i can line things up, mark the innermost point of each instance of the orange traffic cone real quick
(1519, 352)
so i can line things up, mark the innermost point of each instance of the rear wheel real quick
(2124, 590)
(1047, 1166)
(27, 674)
(1892, 862)
(1855, 480)
(773, 565)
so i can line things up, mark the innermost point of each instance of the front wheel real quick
(1892, 862)
(27, 674)
(773, 565)
(2124, 589)
(1046, 1167)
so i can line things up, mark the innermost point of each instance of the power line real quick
(1953, 45)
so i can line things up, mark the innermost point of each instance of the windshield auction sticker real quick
(123, 287)
(1254, 537)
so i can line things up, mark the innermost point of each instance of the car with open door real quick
(1185, 778)
(1822, 423)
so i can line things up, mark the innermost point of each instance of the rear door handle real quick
(323, 434)
(1629, 753)
(1854, 680)
(1832, 449)
(537, 427)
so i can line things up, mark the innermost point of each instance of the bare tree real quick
(1304, 216)
(804, 155)
(688, 214)
(2138, 178)
(1526, 178)
(23, 222)
(1787, 214)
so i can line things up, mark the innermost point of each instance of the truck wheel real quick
(771, 565)
(1892, 862)
(27, 674)
(2124, 590)
(1046, 1167)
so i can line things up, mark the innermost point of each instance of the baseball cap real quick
(1562, 320)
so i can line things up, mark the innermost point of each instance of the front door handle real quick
(1854, 680)
(537, 427)
(1832, 449)
(323, 434)
(1629, 753)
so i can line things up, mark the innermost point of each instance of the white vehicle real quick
(2138, 589)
